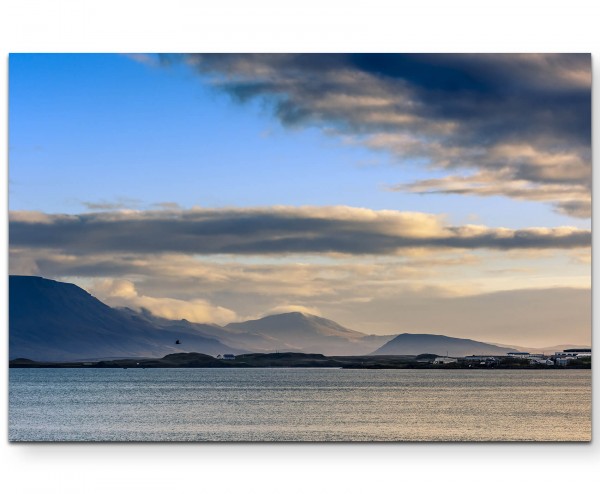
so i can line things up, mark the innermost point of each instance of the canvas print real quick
(300, 247)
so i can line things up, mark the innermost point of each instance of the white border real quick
(313, 26)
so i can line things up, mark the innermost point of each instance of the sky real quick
(446, 194)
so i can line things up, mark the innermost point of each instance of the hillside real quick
(414, 344)
(297, 331)
(53, 321)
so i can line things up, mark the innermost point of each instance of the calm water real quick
(299, 405)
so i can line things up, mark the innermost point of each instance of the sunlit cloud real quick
(282, 309)
(572, 200)
(119, 292)
(274, 230)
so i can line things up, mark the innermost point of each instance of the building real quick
(542, 361)
(445, 360)
(527, 355)
(563, 361)
(574, 352)
(482, 358)
(229, 356)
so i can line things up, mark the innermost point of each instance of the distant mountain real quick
(251, 342)
(300, 332)
(550, 349)
(53, 321)
(415, 344)
(293, 331)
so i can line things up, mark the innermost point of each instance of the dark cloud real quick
(503, 94)
(279, 230)
(579, 209)
(528, 115)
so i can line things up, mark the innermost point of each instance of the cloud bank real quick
(509, 120)
(272, 230)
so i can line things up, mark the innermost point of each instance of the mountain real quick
(415, 344)
(294, 331)
(300, 332)
(251, 342)
(52, 321)
(549, 350)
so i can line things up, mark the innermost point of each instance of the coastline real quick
(296, 360)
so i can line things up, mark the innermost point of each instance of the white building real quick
(575, 353)
(445, 360)
(542, 361)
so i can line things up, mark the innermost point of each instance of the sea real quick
(294, 404)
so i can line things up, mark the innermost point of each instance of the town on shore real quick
(570, 357)
(574, 358)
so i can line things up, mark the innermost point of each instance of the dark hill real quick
(415, 344)
(53, 321)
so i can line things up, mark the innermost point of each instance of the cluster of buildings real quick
(561, 359)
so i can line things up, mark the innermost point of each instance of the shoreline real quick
(294, 360)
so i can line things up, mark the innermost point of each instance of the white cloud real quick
(280, 309)
(120, 292)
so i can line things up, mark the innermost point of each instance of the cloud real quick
(282, 309)
(272, 230)
(571, 199)
(120, 203)
(168, 205)
(256, 285)
(286, 281)
(527, 116)
(577, 208)
(144, 58)
(120, 292)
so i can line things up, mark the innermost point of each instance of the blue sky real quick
(108, 129)
(226, 187)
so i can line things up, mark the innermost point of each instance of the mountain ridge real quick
(52, 320)
(61, 321)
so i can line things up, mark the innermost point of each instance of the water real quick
(299, 405)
